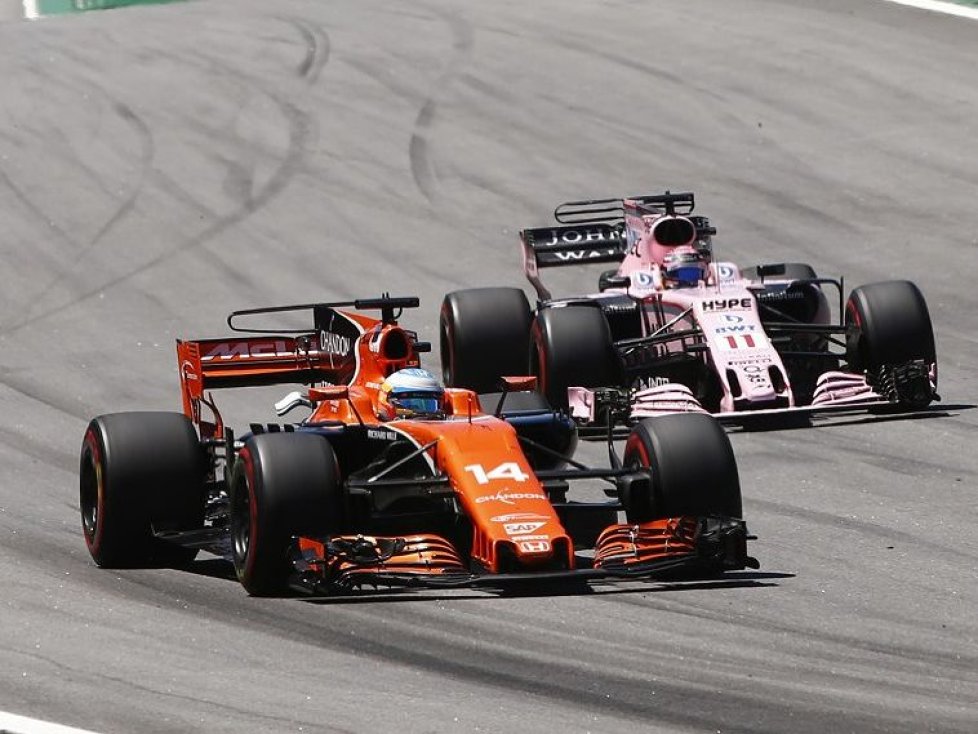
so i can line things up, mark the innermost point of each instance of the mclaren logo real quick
(247, 349)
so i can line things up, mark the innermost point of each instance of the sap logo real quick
(249, 350)
(334, 343)
(575, 255)
(522, 528)
(735, 329)
(722, 304)
(535, 546)
(573, 236)
(521, 516)
(381, 435)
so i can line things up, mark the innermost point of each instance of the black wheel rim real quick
(91, 481)
(241, 522)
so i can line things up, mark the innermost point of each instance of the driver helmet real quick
(411, 393)
(685, 266)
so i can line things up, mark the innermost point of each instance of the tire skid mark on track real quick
(301, 127)
(422, 167)
(28, 390)
(64, 267)
(125, 207)
(317, 48)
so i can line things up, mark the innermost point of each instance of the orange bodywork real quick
(515, 527)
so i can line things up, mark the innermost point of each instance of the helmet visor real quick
(689, 274)
(409, 404)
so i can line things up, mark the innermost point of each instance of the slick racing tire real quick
(283, 485)
(693, 468)
(889, 325)
(484, 334)
(140, 473)
(780, 271)
(572, 346)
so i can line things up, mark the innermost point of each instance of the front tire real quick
(140, 472)
(283, 485)
(889, 326)
(693, 469)
(484, 333)
(572, 346)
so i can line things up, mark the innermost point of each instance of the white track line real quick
(13, 724)
(938, 6)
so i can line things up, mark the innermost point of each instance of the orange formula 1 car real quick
(393, 480)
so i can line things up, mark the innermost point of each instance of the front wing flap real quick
(668, 547)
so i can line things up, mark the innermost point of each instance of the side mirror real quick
(519, 383)
(292, 401)
(329, 392)
(613, 280)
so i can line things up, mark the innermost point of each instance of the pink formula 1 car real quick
(671, 330)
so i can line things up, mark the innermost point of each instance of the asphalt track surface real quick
(162, 166)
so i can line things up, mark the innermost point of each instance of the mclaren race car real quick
(673, 331)
(392, 480)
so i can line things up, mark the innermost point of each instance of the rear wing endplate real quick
(550, 247)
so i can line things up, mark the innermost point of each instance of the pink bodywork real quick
(750, 369)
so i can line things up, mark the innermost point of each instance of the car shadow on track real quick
(943, 411)
(215, 568)
(749, 579)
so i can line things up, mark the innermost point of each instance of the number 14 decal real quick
(507, 470)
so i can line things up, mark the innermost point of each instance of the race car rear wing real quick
(593, 231)
(550, 247)
(327, 353)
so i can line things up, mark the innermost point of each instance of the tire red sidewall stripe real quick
(94, 543)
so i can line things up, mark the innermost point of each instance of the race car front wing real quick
(662, 548)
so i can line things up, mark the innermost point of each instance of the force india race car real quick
(672, 331)
(470, 492)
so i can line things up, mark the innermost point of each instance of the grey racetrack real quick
(161, 166)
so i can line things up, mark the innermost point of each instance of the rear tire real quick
(484, 335)
(140, 472)
(694, 471)
(572, 345)
(283, 485)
